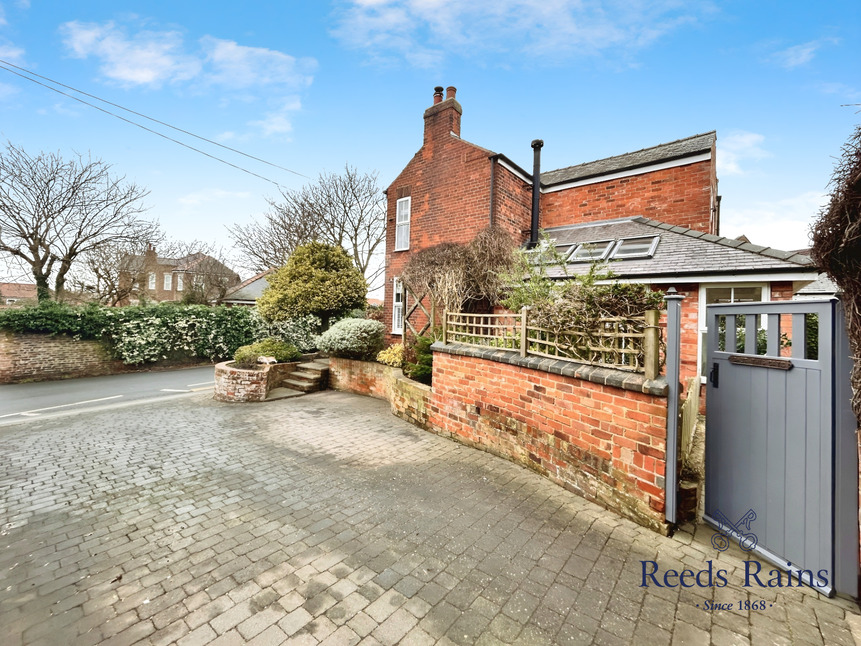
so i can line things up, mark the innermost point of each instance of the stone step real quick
(305, 375)
(315, 366)
(282, 393)
(304, 386)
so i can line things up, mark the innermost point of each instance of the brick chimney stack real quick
(443, 118)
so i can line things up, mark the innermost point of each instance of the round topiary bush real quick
(353, 339)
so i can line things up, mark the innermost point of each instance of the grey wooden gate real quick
(781, 453)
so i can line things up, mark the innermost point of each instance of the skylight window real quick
(643, 247)
(591, 251)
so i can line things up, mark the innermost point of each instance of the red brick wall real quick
(512, 204)
(409, 399)
(682, 196)
(605, 443)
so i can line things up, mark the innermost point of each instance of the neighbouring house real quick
(653, 214)
(17, 295)
(158, 279)
(248, 291)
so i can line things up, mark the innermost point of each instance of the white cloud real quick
(238, 66)
(150, 57)
(738, 147)
(277, 122)
(7, 91)
(11, 53)
(846, 92)
(782, 224)
(211, 195)
(424, 32)
(798, 55)
(146, 58)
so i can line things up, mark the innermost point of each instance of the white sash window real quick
(402, 224)
(397, 307)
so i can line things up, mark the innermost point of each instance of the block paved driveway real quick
(324, 519)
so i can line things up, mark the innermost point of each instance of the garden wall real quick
(409, 399)
(37, 357)
(43, 357)
(600, 433)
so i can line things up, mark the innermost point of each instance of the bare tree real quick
(208, 275)
(287, 224)
(112, 273)
(346, 209)
(52, 211)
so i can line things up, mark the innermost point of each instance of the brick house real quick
(654, 214)
(17, 295)
(161, 279)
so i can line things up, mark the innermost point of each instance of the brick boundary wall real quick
(597, 432)
(409, 400)
(45, 357)
(41, 357)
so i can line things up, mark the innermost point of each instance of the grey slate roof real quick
(680, 251)
(647, 156)
(822, 286)
(248, 291)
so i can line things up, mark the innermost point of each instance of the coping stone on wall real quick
(596, 374)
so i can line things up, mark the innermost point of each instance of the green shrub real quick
(300, 331)
(144, 334)
(419, 365)
(246, 356)
(392, 356)
(353, 339)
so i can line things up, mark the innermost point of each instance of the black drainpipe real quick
(492, 182)
(536, 191)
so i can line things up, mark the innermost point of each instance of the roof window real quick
(591, 251)
(641, 247)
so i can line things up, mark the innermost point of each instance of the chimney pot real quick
(537, 144)
(450, 91)
(437, 94)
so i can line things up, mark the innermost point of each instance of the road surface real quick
(50, 398)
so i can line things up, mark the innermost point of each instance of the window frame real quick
(167, 281)
(403, 224)
(150, 280)
(399, 301)
(642, 254)
(179, 282)
(702, 322)
(609, 246)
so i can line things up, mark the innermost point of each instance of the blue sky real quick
(312, 86)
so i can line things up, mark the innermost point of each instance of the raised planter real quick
(234, 384)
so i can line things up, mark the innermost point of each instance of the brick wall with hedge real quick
(600, 433)
(25, 357)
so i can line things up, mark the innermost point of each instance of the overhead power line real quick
(6, 65)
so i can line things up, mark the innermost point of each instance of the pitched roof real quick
(822, 286)
(680, 251)
(249, 290)
(673, 150)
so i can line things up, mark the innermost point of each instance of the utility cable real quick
(4, 63)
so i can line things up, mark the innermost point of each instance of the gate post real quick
(674, 333)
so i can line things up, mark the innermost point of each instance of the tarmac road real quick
(51, 398)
